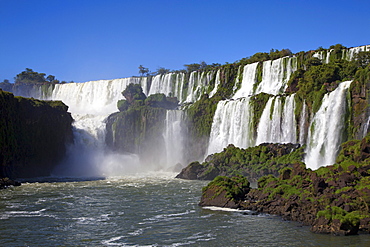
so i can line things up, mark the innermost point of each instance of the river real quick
(152, 209)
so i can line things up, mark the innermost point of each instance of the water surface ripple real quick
(150, 210)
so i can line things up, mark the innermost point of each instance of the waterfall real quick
(175, 85)
(324, 55)
(174, 138)
(231, 125)
(289, 133)
(326, 128)
(198, 85)
(232, 120)
(302, 122)
(350, 54)
(277, 124)
(179, 87)
(163, 84)
(249, 79)
(275, 75)
(217, 83)
(365, 127)
(90, 103)
(93, 97)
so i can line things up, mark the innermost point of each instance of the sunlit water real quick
(147, 210)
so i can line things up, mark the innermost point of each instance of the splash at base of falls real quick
(88, 157)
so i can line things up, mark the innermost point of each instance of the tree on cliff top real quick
(135, 97)
(31, 77)
(143, 71)
(133, 92)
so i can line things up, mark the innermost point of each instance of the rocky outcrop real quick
(360, 102)
(253, 162)
(328, 206)
(138, 127)
(33, 135)
(6, 182)
(137, 130)
(225, 192)
(332, 200)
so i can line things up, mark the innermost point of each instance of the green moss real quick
(285, 190)
(265, 180)
(258, 103)
(28, 127)
(200, 116)
(235, 187)
(333, 212)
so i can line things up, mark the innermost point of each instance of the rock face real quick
(33, 135)
(253, 162)
(333, 200)
(360, 102)
(6, 182)
(225, 192)
(138, 127)
(138, 131)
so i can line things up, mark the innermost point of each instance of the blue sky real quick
(82, 40)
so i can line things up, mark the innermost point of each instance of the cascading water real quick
(289, 133)
(174, 138)
(175, 85)
(302, 122)
(249, 79)
(233, 118)
(90, 103)
(325, 130)
(163, 84)
(217, 83)
(275, 75)
(277, 124)
(231, 125)
(350, 54)
(198, 84)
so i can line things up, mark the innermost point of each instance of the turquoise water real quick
(143, 210)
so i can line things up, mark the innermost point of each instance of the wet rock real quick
(6, 182)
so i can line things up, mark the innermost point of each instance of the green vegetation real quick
(143, 71)
(340, 192)
(31, 77)
(264, 56)
(258, 103)
(160, 100)
(252, 162)
(333, 199)
(200, 116)
(235, 187)
(138, 127)
(135, 98)
(33, 135)
(133, 92)
(359, 101)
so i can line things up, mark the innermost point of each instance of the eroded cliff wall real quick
(33, 135)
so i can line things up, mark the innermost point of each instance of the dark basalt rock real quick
(33, 135)
(225, 192)
(6, 182)
(253, 162)
(335, 227)
(333, 200)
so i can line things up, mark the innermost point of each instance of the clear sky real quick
(82, 40)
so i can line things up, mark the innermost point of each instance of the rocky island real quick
(333, 199)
